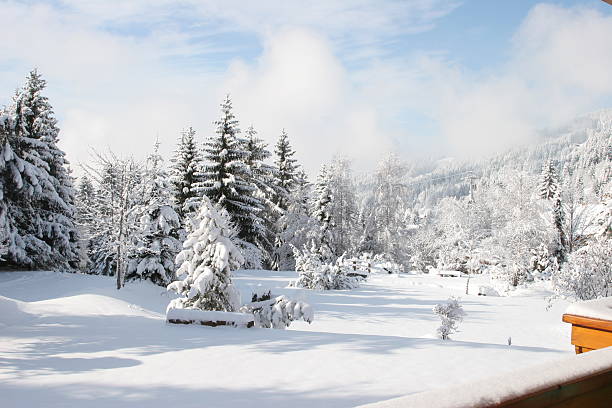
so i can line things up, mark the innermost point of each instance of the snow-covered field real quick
(73, 340)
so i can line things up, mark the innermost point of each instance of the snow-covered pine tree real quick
(184, 174)
(225, 175)
(550, 190)
(45, 216)
(205, 264)
(559, 221)
(12, 247)
(158, 239)
(321, 211)
(263, 176)
(549, 181)
(287, 166)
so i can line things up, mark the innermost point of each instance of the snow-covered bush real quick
(588, 272)
(277, 312)
(319, 275)
(205, 264)
(485, 290)
(450, 313)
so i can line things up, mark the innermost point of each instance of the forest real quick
(537, 212)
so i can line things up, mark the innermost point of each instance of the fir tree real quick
(287, 167)
(185, 169)
(205, 264)
(225, 175)
(321, 211)
(549, 181)
(263, 176)
(45, 216)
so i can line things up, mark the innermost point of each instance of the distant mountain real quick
(581, 143)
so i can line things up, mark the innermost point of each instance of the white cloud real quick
(118, 89)
(558, 68)
(300, 85)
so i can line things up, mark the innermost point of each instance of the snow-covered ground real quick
(73, 340)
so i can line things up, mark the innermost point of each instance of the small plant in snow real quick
(277, 312)
(451, 313)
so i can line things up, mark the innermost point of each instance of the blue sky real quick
(360, 78)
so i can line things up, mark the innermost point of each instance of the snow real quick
(74, 340)
(595, 309)
(495, 390)
(485, 290)
(197, 315)
(446, 273)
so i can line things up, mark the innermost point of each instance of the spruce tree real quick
(45, 217)
(549, 181)
(185, 169)
(225, 174)
(321, 211)
(263, 176)
(287, 167)
(205, 264)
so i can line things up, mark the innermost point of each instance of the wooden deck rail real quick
(589, 333)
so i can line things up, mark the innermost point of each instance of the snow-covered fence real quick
(584, 380)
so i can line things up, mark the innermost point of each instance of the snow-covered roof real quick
(498, 389)
(595, 309)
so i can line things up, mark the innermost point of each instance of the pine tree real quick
(559, 221)
(263, 176)
(321, 212)
(45, 216)
(225, 174)
(12, 246)
(549, 181)
(287, 167)
(185, 169)
(158, 239)
(205, 264)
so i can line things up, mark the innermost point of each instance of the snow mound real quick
(12, 312)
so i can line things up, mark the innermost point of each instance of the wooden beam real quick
(588, 321)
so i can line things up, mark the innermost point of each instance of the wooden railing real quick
(589, 333)
(581, 381)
